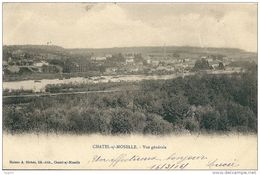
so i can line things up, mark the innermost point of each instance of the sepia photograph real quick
(129, 86)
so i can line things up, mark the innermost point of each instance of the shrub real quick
(121, 122)
(209, 120)
(191, 124)
(156, 125)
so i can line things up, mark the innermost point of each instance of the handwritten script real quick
(156, 162)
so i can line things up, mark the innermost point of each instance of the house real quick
(148, 61)
(134, 69)
(155, 62)
(100, 58)
(210, 60)
(41, 63)
(180, 60)
(170, 68)
(108, 56)
(214, 66)
(186, 60)
(129, 60)
(185, 65)
(9, 59)
(110, 70)
(161, 68)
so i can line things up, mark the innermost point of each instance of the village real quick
(20, 62)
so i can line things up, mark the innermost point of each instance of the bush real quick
(209, 121)
(89, 121)
(156, 125)
(191, 124)
(241, 118)
(15, 120)
(175, 108)
(121, 122)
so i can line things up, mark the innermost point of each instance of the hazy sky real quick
(94, 25)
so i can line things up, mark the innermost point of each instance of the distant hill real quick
(141, 49)
(52, 49)
(157, 49)
(185, 50)
(37, 47)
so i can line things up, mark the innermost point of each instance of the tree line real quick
(199, 103)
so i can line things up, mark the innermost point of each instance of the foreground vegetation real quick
(200, 103)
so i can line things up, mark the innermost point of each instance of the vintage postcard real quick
(129, 86)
